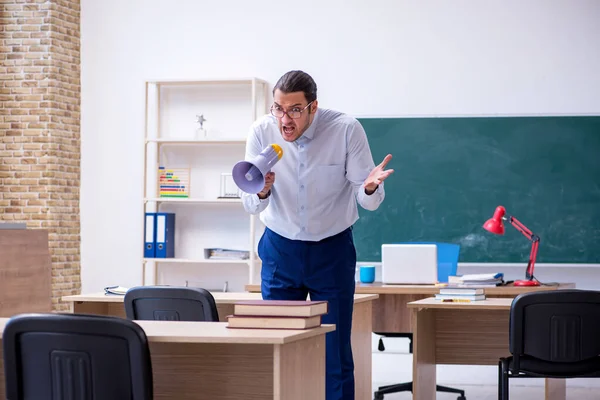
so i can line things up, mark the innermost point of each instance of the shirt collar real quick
(310, 132)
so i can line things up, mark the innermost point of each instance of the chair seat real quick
(536, 367)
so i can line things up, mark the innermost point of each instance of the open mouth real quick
(289, 130)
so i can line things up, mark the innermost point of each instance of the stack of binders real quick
(277, 314)
(159, 235)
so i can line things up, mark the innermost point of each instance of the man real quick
(308, 205)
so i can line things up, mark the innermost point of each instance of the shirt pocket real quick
(329, 181)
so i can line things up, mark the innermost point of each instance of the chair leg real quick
(446, 389)
(500, 391)
(503, 379)
(388, 389)
(408, 386)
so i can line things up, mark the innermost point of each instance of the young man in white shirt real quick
(308, 205)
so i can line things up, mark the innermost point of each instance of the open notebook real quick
(119, 290)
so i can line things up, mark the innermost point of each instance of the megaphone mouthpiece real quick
(278, 150)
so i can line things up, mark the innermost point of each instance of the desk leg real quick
(556, 389)
(424, 367)
(299, 370)
(361, 349)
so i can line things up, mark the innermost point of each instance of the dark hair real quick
(297, 81)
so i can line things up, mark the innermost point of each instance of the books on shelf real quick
(226, 254)
(277, 314)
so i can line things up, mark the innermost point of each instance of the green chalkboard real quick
(451, 173)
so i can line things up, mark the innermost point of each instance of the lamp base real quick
(526, 283)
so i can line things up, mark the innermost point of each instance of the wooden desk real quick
(206, 360)
(461, 333)
(99, 303)
(390, 314)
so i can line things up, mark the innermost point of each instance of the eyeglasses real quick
(294, 113)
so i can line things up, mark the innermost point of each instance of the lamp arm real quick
(521, 228)
(535, 239)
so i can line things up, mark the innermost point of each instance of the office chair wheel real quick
(461, 398)
(378, 396)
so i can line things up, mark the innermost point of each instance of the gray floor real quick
(516, 393)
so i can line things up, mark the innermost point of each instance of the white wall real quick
(376, 58)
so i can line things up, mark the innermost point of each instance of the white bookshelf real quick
(203, 219)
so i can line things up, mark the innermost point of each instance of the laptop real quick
(409, 264)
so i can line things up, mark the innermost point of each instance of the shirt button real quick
(302, 228)
(302, 165)
(301, 186)
(302, 208)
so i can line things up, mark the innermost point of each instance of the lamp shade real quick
(495, 224)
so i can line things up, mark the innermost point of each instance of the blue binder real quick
(165, 235)
(150, 235)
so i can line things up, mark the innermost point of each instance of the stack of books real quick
(277, 314)
(476, 280)
(460, 295)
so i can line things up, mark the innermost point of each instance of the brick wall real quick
(39, 128)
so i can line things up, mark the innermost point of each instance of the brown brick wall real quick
(40, 128)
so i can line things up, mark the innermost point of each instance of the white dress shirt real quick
(318, 180)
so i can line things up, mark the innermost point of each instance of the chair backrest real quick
(72, 356)
(555, 326)
(170, 303)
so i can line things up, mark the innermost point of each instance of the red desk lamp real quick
(495, 225)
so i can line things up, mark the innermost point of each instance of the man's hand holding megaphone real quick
(269, 180)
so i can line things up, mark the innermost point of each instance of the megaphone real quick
(249, 176)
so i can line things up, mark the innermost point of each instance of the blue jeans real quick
(292, 269)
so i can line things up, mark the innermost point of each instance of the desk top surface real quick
(379, 288)
(220, 297)
(487, 304)
(216, 332)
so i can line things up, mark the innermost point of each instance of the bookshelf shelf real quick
(196, 132)
(192, 200)
(177, 141)
(197, 261)
(218, 81)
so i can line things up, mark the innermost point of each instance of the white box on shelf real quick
(229, 189)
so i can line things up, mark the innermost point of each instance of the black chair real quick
(552, 334)
(407, 386)
(170, 303)
(74, 356)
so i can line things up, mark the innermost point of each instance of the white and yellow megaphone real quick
(249, 176)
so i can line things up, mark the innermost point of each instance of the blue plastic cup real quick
(367, 273)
